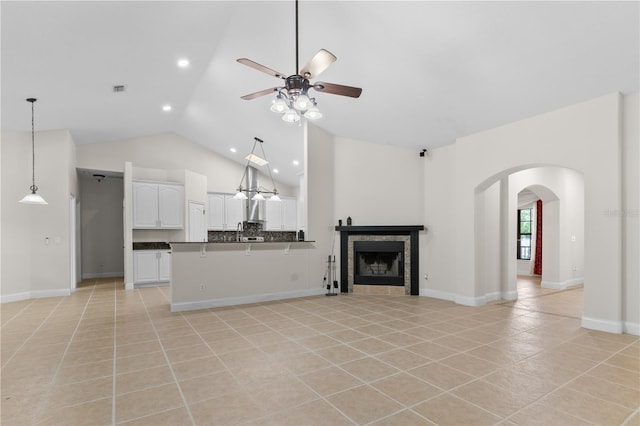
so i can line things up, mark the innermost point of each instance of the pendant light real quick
(33, 198)
(242, 192)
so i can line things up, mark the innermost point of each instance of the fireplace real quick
(378, 262)
(381, 259)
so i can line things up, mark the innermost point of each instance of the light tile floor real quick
(107, 356)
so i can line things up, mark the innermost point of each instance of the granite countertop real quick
(156, 245)
(240, 242)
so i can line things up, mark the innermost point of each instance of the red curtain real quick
(537, 263)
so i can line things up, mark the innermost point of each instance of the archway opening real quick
(506, 208)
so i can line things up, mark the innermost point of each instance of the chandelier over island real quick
(252, 186)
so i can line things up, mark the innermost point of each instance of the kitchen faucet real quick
(239, 229)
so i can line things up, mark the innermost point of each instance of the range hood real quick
(253, 206)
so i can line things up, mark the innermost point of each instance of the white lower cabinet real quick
(151, 266)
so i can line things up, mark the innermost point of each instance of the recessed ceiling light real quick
(183, 63)
(166, 108)
(276, 171)
(296, 162)
(233, 150)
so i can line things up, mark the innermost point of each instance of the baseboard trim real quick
(92, 275)
(15, 297)
(602, 325)
(26, 295)
(469, 301)
(563, 285)
(243, 300)
(436, 294)
(631, 328)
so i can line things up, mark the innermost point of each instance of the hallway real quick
(532, 297)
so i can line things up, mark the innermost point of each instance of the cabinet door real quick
(197, 228)
(145, 205)
(164, 266)
(234, 212)
(171, 206)
(289, 214)
(145, 266)
(216, 212)
(273, 215)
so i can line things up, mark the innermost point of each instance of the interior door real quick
(197, 225)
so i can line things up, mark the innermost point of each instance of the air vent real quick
(119, 88)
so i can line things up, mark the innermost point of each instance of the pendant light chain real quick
(33, 187)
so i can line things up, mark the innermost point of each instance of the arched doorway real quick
(496, 224)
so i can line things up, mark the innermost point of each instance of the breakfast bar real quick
(206, 275)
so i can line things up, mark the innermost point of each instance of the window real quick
(524, 234)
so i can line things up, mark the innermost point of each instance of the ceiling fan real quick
(293, 96)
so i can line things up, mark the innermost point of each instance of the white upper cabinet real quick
(145, 205)
(234, 211)
(282, 215)
(224, 212)
(171, 206)
(216, 211)
(158, 205)
(289, 214)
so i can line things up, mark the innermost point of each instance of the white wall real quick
(631, 213)
(26, 229)
(438, 247)
(584, 137)
(488, 240)
(319, 181)
(169, 152)
(102, 227)
(378, 184)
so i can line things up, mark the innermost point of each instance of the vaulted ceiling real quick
(430, 71)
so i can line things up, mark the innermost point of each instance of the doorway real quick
(498, 269)
(101, 224)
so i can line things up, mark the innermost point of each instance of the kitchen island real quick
(206, 275)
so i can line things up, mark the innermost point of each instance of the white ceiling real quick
(431, 72)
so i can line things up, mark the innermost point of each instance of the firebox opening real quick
(379, 262)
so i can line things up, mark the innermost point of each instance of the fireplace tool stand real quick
(332, 290)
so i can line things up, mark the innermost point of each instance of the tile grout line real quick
(166, 357)
(564, 386)
(41, 405)
(115, 356)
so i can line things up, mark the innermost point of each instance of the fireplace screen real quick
(379, 262)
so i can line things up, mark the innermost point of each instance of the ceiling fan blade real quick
(338, 89)
(317, 64)
(260, 93)
(257, 66)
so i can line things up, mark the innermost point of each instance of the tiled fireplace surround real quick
(407, 234)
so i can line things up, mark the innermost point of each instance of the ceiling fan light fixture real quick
(275, 197)
(302, 103)
(279, 105)
(291, 116)
(313, 113)
(258, 197)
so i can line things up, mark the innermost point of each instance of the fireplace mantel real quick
(403, 229)
(408, 230)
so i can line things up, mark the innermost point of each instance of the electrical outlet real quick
(202, 287)
(426, 276)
